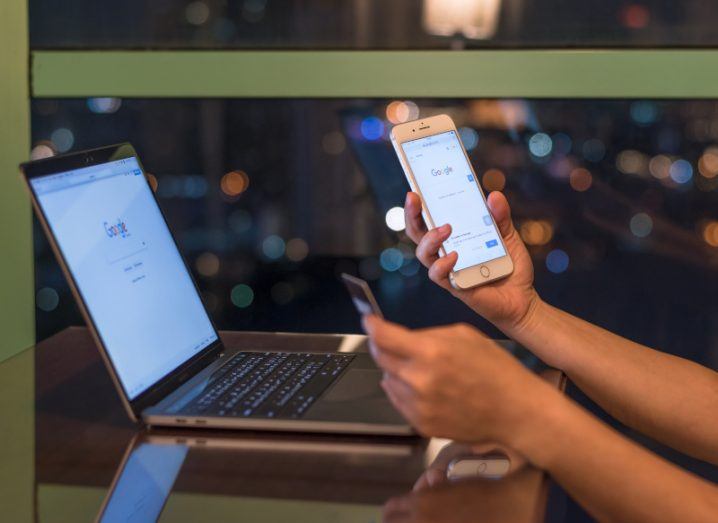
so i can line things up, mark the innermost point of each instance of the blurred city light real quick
(152, 180)
(493, 180)
(47, 299)
(234, 183)
(273, 247)
(634, 16)
(395, 219)
(593, 150)
(536, 232)
(469, 137)
(540, 145)
(644, 112)
(63, 139)
(334, 143)
(708, 163)
(104, 105)
(400, 112)
(557, 261)
(240, 221)
(632, 162)
(710, 233)
(641, 225)
(197, 13)
(660, 166)
(282, 292)
(242, 295)
(475, 19)
(297, 249)
(391, 259)
(562, 143)
(372, 128)
(207, 264)
(42, 150)
(681, 171)
(580, 179)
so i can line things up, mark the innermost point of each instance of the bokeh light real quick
(372, 128)
(536, 232)
(197, 13)
(580, 179)
(152, 180)
(391, 259)
(42, 150)
(561, 143)
(63, 139)
(104, 105)
(634, 16)
(207, 264)
(242, 295)
(469, 137)
(234, 183)
(297, 249)
(557, 261)
(660, 166)
(681, 171)
(334, 143)
(632, 162)
(593, 150)
(282, 292)
(708, 163)
(240, 221)
(395, 219)
(400, 112)
(493, 180)
(644, 112)
(273, 247)
(47, 299)
(641, 225)
(710, 233)
(540, 145)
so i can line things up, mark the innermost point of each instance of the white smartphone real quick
(439, 171)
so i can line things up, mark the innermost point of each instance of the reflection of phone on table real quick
(438, 169)
(361, 296)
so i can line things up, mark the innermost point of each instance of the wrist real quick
(527, 320)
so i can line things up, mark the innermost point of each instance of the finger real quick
(430, 478)
(415, 226)
(501, 211)
(428, 249)
(390, 337)
(400, 395)
(440, 269)
(386, 360)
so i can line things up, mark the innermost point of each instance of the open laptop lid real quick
(125, 270)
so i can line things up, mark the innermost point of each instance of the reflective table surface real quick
(69, 453)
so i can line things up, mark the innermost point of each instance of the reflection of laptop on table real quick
(155, 335)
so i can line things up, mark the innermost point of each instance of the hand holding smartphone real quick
(439, 171)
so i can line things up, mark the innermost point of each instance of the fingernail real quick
(444, 228)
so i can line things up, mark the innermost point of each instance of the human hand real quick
(507, 303)
(453, 382)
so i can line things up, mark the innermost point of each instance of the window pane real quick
(373, 24)
(616, 199)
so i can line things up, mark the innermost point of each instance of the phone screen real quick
(452, 196)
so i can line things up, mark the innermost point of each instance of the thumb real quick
(389, 336)
(500, 210)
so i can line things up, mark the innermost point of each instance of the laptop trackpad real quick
(356, 397)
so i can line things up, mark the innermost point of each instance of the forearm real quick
(611, 477)
(660, 395)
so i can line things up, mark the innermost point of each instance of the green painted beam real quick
(296, 74)
(17, 322)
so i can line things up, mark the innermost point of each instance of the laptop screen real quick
(127, 268)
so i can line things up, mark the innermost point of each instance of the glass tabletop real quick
(71, 454)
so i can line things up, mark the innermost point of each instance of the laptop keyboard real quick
(268, 384)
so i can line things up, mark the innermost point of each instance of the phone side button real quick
(485, 272)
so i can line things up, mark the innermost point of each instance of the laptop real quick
(155, 336)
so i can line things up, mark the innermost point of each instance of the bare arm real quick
(493, 398)
(668, 398)
(675, 401)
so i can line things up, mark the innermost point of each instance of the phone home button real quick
(485, 272)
